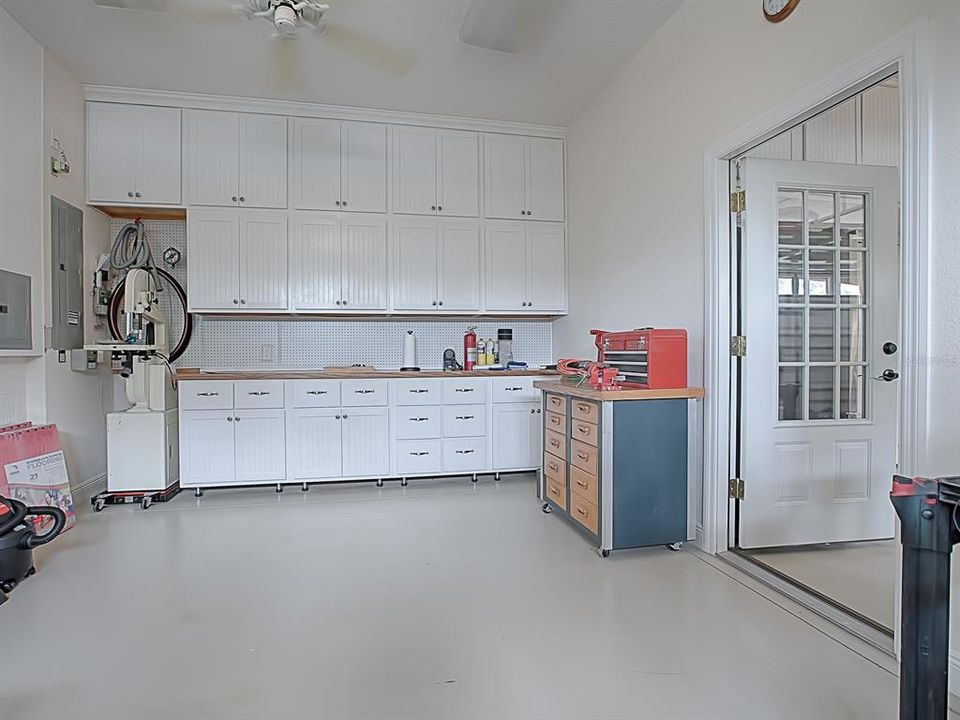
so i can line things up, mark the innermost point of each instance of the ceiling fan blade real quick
(207, 10)
(286, 63)
(371, 51)
(148, 5)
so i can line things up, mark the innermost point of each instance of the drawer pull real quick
(421, 453)
(554, 491)
(418, 419)
(207, 394)
(464, 452)
(514, 389)
(466, 417)
(583, 429)
(316, 392)
(583, 408)
(555, 443)
(463, 389)
(418, 391)
(582, 456)
(581, 511)
(364, 392)
(258, 393)
(553, 466)
(582, 484)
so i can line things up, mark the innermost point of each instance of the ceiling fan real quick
(291, 19)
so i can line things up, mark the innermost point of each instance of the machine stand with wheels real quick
(928, 511)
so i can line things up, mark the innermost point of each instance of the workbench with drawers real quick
(615, 463)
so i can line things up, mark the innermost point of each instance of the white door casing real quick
(814, 472)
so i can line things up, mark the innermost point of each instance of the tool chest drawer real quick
(464, 454)
(557, 492)
(584, 432)
(418, 392)
(464, 421)
(258, 394)
(556, 404)
(417, 423)
(556, 444)
(206, 395)
(584, 456)
(554, 422)
(363, 393)
(585, 410)
(584, 484)
(313, 393)
(418, 457)
(465, 391)
(554, 468)
(514, 389)
(584, 512)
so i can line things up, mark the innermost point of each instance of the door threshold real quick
(843, 618)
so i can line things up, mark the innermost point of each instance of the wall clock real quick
(777, 10)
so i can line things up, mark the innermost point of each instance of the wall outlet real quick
(268, 353)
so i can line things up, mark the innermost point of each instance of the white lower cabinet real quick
(206, 447)
(365, 442)
(419, 457)
(313, 444)
(516, 436)
(462, 455)
(259, 438)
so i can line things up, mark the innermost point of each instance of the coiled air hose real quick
(131, 250)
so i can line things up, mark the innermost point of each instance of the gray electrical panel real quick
(66, 254)
(15, 333)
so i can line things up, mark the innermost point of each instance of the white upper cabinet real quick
(525, 268)
(524, 177)
(435, 172)
(236, 159)
(263, 260)
(339, 263)
(436, 265)
(133, 154)
(339, 165)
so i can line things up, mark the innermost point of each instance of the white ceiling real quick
(569, 53)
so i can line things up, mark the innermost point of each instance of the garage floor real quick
(441, 600)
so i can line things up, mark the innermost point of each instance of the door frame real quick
(904, 54)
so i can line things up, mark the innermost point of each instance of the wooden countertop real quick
(613, 395)
(185, 374)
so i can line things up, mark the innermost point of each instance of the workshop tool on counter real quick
(505, 343)
(450, 360)
(409, 353)
(646, 358)
(587, 372)
(929, 528)
(18, 538)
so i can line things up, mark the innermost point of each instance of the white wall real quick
(635, 160)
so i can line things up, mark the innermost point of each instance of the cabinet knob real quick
(236, 302)
(242, 199)
(337, 203)
(337, 417)
(243, 302)
(434, 303)
(440, 303)
(345, 417)
(229, 419)
(433, 207)
(439, 208)
(234, 198)
(129, 194)
(343, 203)
(338, 302)
(236, 418)
(137, 194)
(344, 302)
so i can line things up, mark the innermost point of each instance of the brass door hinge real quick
(738, 346)
(735, 489)
(738, 201)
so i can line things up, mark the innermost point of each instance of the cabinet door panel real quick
(316, 164)
(504, 158)
(415, 266)
(313, 444)
(364, 270)
(458, 286)
(315, 262)
(206, 447)
(544, 179)
(458, 188)
(213, 259)
(158, 174)
(415, 171)
(506, 268)
(516, 427)
(546, 269)
(263, 260)
(366, 442)
(260, 446)
(214, 157)
(263, 161)
(363, 162)
(113, 152)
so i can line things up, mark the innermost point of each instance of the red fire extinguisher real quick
(470, 349)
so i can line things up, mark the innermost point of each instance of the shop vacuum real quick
(18, 538)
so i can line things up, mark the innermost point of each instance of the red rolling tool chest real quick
(647, 358)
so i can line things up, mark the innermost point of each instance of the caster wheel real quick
(603, 553)
(146, 503)
(675, 547)
(279, 488)
(496, 477)
(7, 587)
(379, 483)
(474, 479)
(403, 483)
(32, 571)
(304, 487)
(99, 505)
(546, 508)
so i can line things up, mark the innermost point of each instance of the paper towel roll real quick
(409, 352)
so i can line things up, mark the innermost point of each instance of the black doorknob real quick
(889, 375)
(889, 348)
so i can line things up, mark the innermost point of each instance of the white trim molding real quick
(135, 96)
(904, 54)
(953, 681)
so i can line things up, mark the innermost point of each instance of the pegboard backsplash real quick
(250, 344)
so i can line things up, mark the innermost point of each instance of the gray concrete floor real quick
(441, 600)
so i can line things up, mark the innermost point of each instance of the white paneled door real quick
(213, 259)
(544, 178)
(505, 186)
(158, 172)
(506, 267)
(315, 261)
(207, 447)
(213, 154)
(516, 432)
(316, 164)
(364, 248)
(458, 173)
(313, 443)
(546, 263)
(260, 445)
(415, 265)
(415, 170)
(458, 267)
(263, 161)
(366, 443)
(263, 260)
(113, 138)
(820, 301)
(363, 166)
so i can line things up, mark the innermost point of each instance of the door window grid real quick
(822, 297)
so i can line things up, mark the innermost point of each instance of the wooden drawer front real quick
(584, 512)
(555, 422)
(464, 454)
(464, 421)
(258, 394)
(556, 444)
(206, 395)
(520, 389)
(584, 432)
(557, 404)
(554, 468)
(584, 484)
(363, 393)
(419, 392)
(557, 493)
(585, 410)
(314, 393)
(585, 457)
(418, 457)
(465, 391)
(417, 423)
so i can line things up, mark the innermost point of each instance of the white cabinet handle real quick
(207, 394)
(316, 392)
